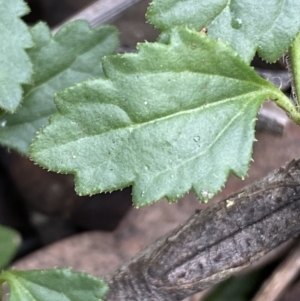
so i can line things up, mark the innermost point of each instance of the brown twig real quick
(101, 12)
(215, 243)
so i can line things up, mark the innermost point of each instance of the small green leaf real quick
(73, 55)
(9, 243)
(267, 27)
(168, 119)
(53, 285)
(15, 66)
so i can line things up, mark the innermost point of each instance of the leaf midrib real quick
(134, 126)
(217, 15)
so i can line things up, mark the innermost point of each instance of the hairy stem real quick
(294, 68)
(287, 105)
(214, 243)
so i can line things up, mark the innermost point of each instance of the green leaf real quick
(267, 27)
(166, 120)
(73, 55)
(9, 243)
(15, 65)
(53, 285)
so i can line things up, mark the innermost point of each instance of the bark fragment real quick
(215, 243)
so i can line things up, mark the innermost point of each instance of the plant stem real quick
(286, 104)
(294, 68)
(215, 243)
(291, 107)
